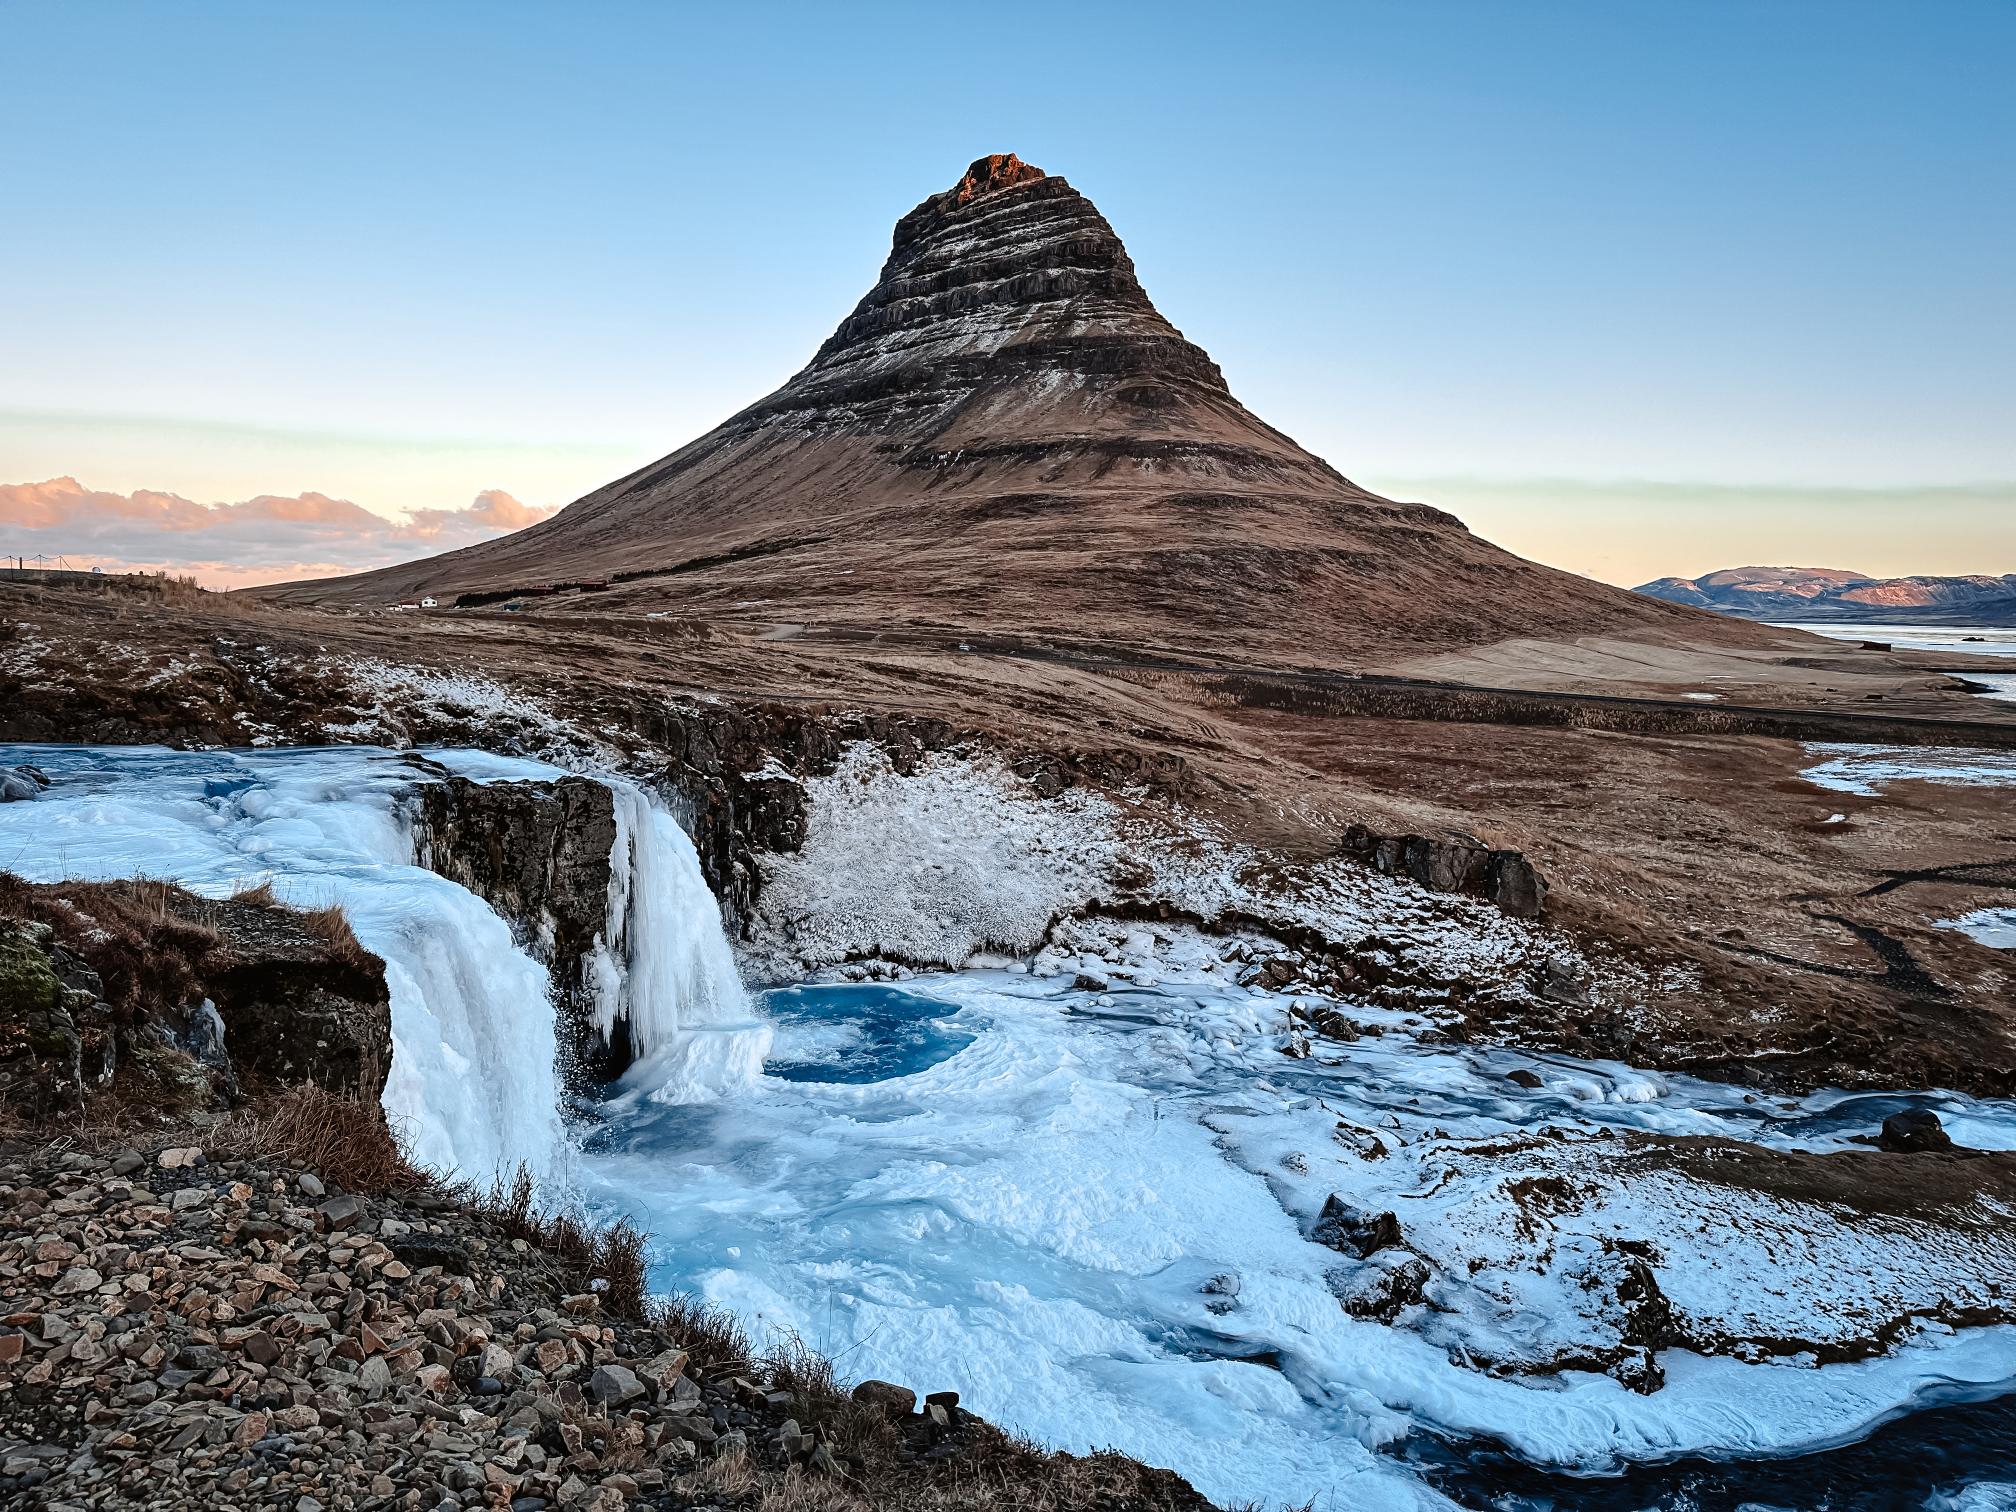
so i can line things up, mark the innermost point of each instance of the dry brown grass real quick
(790, 1364)
(798, 1492)
(331, 926)
(729, 1477)
(259, 894)
(163, 590)
(344, 1140)
(145, 947)
(609, 1254)
(1014, 1475)
(710, 1335)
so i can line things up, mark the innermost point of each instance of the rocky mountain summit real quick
(1006, 436)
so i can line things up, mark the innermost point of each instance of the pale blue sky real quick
(1520, 259)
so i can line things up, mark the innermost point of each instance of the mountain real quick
(1006, 437)
(1778, 593)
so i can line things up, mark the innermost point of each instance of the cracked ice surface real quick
(1089, 1212)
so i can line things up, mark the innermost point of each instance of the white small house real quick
(430, 603)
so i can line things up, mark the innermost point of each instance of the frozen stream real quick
(1967, 640)
(1086, 1210)
(1075, 1207)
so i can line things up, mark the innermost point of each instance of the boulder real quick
(896, 1401)
(1457, 864)
(1383, 1288)
(1349, 1231)
(1561, 981)
(1913, 1132)
(613, 1385)
(18, 784)
(340, 1212)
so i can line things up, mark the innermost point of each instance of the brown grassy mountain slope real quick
(1006, 436)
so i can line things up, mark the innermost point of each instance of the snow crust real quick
(1990, 926)
(960, 859)
(1865, 770)
(392, 694)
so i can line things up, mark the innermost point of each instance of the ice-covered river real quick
(1968, 640)
(1087, 1210)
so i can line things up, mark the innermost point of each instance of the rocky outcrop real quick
(297, 1000)
(51, 1012)
(1458, 864)
(1350, 1232)
(150, 997)
(540, 854)
(1915, 1131)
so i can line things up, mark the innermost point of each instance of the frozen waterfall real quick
(665, 966)
(474, 1086)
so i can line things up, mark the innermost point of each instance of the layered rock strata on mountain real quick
(1006, 436)
(1831, 593)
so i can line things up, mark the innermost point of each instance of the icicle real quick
(666, 967)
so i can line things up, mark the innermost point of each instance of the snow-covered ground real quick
(961, 861)
(1865, 770)
(1991, 926)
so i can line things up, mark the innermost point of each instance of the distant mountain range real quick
(1830, 593)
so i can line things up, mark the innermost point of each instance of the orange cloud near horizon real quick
(266, 539)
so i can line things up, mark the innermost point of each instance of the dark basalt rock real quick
(540, 854)
(295, 1008)
(44, 1021)
(1381, 1292)
(187, 1003)
(1456, 865)
(1912, 1132)
(1345, 1229)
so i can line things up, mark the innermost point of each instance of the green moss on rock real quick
(29, 986)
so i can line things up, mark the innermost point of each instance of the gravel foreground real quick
(177, 1331)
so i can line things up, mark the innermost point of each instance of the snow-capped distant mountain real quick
(1776, 593)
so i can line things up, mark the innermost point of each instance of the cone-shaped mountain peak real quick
(1005, 436)
(1009, 275)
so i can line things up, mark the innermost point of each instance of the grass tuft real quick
(331, 926)
(342, 1139)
